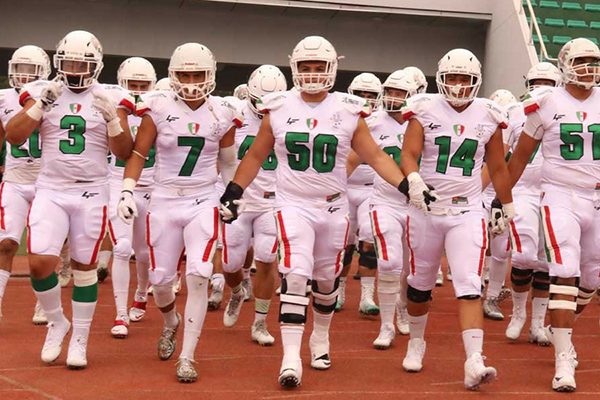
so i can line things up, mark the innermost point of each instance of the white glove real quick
(49, 95)
(126, 209)
(105, 105)
(500, 217)
(420, 194)
(227, 215)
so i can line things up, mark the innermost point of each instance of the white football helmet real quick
(367, 82)
(314, 48)
(28, 64)
(136, 69)
(193, 57)
(241, 92)
(459, 62)
(399, 80)
(503, 97)
(163, 84)
(81, 47)
(419, 76)
(579, 48)
(264, 80)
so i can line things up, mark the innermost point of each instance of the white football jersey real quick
(74, 137)
(388, 134)
(260, 194)
(23, 162)
(187, 143)
(454, 147)
(312, 143)
(530, 182)
(569, 130)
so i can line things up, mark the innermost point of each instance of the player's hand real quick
(126, 209)
(232, 204)
(500, 217)
(420, 194)
(51, 93)
(106, 106)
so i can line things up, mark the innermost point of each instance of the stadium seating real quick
(559, 21)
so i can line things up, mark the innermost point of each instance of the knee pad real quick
(293, 299)
(564, 290)
(584, 297)
(324, 300)
(366, 258)
(418, 296)
(388, 283)
(85, 278)
(122, 249)
(470, 297)
(541, 281)
(521, 277)
(349, 253)
(163, 295)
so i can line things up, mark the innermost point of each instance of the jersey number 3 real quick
(76, 142)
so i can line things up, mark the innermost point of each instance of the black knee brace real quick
(521, 277)
(418, 296)
(349, 254)
(469, 297)
(366, 259)
(325, 302)
(541, 281)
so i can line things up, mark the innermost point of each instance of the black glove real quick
(231, 203)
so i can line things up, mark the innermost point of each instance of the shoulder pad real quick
(536, 99)
(497, 113)
(32, 90)
(271, 102)
(374, 119)
(232, 112)
(355, 104)
(416, 105)
(152, 101)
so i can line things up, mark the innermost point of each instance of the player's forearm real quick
(502, 184)
(134, 167)
(20, 128)
(247, 171)
(516, 165)
(408, 163)
(485, 177)
(387, 169)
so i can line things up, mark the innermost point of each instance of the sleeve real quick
(516, 121)
(536, 99)
(534, 126)
(233, 114)
(31, 90)
(356, 105)
(498, 114)
(270, 102)
(415, 107)
(151, 103)
(121, 97)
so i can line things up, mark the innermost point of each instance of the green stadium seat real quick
(544, 38)
(560, 39)
(554, 22)
(593, 39)
(576, 24)
(539, 20)
(566, 5)
(592, 7)
(549, 4)
(595, 25)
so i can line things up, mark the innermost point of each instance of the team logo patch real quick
(311, 123)
(581, 115)
(459, 129)
(75, 107)
(193, 127)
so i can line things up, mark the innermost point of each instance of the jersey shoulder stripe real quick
(536, 99)
(272, 101)
(416, 105)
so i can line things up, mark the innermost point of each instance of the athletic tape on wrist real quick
(36, 112)
(129, 184)
(113, 128)
(85, 278)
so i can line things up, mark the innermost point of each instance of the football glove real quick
(232, 204)
(500, 217)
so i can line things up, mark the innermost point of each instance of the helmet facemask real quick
(584, 75)
(314, 82)
(392, 104)
(458, 94)
(21, 73)
(77, 73)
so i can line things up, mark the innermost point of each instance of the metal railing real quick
(533, 24)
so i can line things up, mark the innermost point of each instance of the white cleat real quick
(341, 298)
(385, 338)
(261, 335)
(54, 339)
(402, 320)
(138, 309)
(515, 326)
(39, 317)
(319, 352)
(537, 335)
(572, 352)
(476, 373)
(247, 284)
(367, 304)
(449, 275)
(413, 362)
(290, 374)
(76, 358)
(120, 329)
(215, 300)
(439, 281)
(234, 308)
(564, 377)
(491, 309)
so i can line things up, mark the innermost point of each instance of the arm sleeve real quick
(534, 126)
(227, 163)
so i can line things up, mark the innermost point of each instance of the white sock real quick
(387, 292)
(473, 341)
(218, 282)
(83, 313)
(236, 291)
(291, 339)
(143, 270)
(120, 282)
(367, 282)
(104, 258)
(417, 326)
(246, 273)
(538, 310)
(497, 275)
(4, 275)
(520, 303)
(51, 304)
(321, 324)
(195, 312)
(561, 338)
(261, 308)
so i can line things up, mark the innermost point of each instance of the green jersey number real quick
(270, 163)
(76, 142)
(196, 145)
(150, 159)
(464, 158)
(34, 147)
(394, 152)
(324, 151)
(572, 147)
